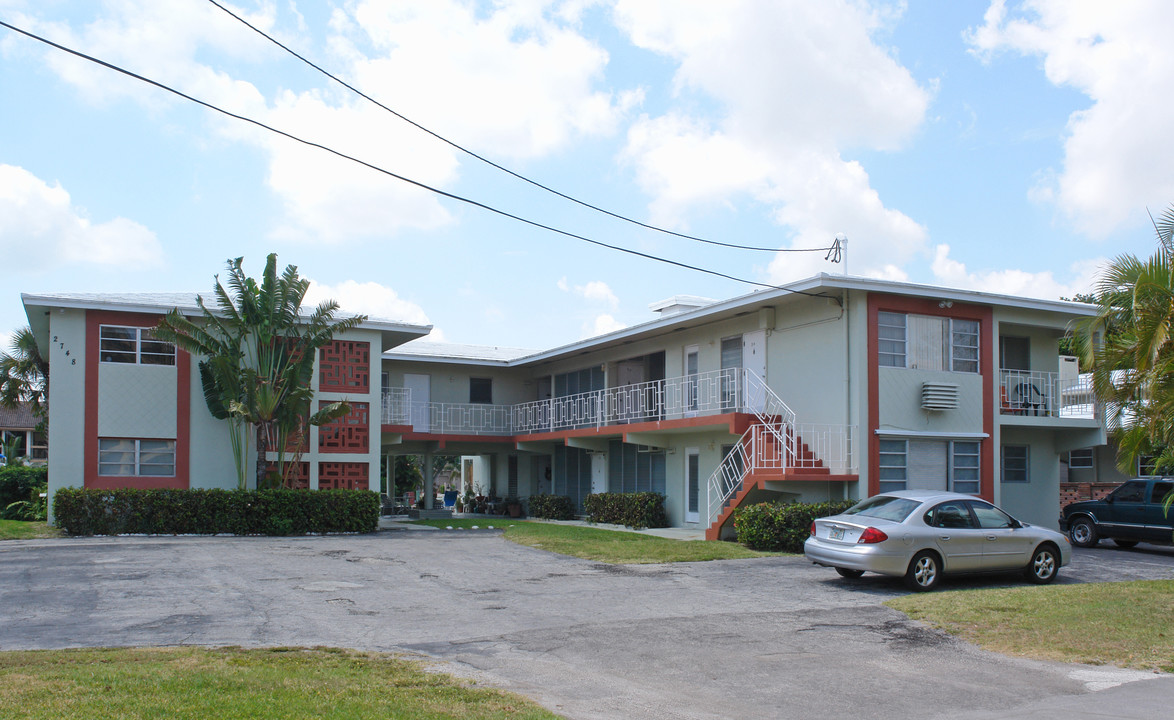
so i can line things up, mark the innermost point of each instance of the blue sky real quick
(1004, 147)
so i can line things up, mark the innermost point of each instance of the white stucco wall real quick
(67, 334)
(137, 401)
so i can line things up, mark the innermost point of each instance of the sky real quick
(1011, 147)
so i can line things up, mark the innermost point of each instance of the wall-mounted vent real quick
(939, 396)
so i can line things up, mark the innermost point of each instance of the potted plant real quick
(513, 507)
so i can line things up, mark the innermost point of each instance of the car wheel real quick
(1126, 544)
(849, 573)
(1044, 565)
(925, 570)
(1083, 533)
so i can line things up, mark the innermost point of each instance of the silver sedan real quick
(920, 534)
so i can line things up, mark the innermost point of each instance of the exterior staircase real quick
(769, 452)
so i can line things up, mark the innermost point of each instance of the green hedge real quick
(551, 507)
(80, 511)
(19, 482)
(782, 528)
(635, 510)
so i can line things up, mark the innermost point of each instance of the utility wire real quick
(389, 173)
(489, 162)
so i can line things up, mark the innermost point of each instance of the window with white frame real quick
(1015, 465)
(964, 476)
(894, 465)
(1081, 459)
(136, 457)
(133, 346)
(891, 339)
(925, 342)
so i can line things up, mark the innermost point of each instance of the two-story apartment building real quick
(827, 388)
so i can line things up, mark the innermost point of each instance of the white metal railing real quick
(1046, 394)
(396, 406)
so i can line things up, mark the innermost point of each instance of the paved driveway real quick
(758, 638)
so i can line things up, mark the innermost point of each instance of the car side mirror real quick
(1015, 524)
(1108, 498)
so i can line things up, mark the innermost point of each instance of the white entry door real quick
(754, 360)
(598, 473)
(419, 386)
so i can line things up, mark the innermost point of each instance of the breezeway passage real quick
(772, 637)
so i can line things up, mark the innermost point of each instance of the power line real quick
(489, 162)
(389, 173)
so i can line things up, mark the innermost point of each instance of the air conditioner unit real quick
(939, 396)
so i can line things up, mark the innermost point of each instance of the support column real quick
(429, 482)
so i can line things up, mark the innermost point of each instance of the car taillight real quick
(871, 535)
(812, 528)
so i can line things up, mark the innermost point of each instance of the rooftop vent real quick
(678, 304)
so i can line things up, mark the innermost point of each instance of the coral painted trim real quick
(878, 303)
(183, 415)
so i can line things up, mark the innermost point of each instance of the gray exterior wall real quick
(67, 333)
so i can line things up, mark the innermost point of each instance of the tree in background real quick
(1129, 346)
(24, 374)
(258, 352)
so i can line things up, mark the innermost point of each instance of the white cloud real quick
(797, 84)
(1118, 151)
(952, 273)
(43, 228)
(601, 325)
(593, 291)
(379, 302)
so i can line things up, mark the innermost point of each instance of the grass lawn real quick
(18, 530)
(1126, 624)
(201, 683)
(610, 546)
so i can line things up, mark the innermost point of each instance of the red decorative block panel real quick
(299, 477)
(348, 434)
(342, 476)
(345, 366)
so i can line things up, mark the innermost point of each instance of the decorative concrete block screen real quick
(345, 366)
(342, 476)
(348, 434)
(301, 475)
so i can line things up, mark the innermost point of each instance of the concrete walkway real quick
(498, 521)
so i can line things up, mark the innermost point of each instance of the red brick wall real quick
(1075, 492)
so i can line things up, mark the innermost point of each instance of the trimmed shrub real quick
(18, 482)
(781, 527)
(551, 507)
(80, 511)
(634, 510)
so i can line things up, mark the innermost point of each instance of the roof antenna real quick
(839, 251)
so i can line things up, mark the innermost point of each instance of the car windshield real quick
(884, 507)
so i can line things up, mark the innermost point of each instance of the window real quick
(884, 508)
(964, 467)
(891, 335)
(952, 515)
(133, 346)
(964, 345)
(1161, 490)
(990, 517)
(893, 465)
(1015, 463)
(1146, 467)
(1132, 491)
(131, 457)
(925, 342)
(1080, 459)
(481, 390)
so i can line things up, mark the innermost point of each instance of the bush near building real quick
(551, 507)
(81, 511)
(780, 527)
(634, 510)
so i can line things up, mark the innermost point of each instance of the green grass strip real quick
(18, 530)
(206, 684)
(1125, 624)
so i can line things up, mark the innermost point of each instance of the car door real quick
(956, 535)
(1125, 511)
(1005, 546)
(1159, 526)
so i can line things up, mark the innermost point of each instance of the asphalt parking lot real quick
(772, 637)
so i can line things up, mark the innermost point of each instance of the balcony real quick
(703, 394)
(1046, 394)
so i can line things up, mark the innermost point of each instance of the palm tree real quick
(258, 359)
(1130, 347)
(24, 374)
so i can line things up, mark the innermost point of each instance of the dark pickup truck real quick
(1131, 514)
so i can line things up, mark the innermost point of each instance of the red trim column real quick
(878, 303)
(183, 402)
